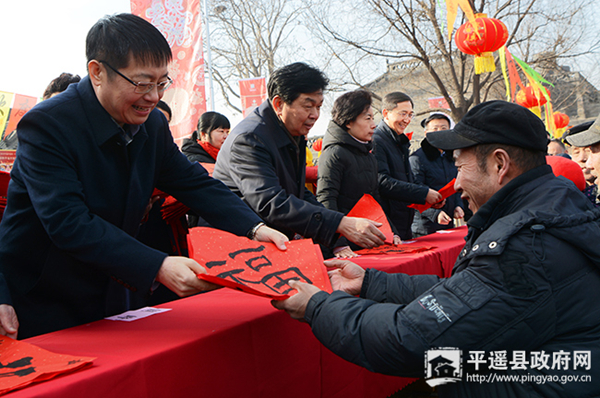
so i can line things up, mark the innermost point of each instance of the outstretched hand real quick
(9, 323)
(362, 231)
(345, 276)
(296, 305)
(266, 234)
(179, 274)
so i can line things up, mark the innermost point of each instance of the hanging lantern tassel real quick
(481, 38)
(484, 62)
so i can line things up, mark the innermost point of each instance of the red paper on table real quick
(367, 207)
(391, 249)
(22, 364)
(258, 268)
(447, 191)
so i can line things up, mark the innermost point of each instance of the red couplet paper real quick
(392, 249)
(447, 191)
(258, 268)
(22, 364)
(367, 207)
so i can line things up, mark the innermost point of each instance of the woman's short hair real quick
(210, 121)
(349, 106)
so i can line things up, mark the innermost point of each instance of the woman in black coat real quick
(347, 169)
(214, 129)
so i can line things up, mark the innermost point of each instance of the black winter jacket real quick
(434, 170)
(263, 164)
(347, 170)
(396, 181)
(527, 279)
(194, 151)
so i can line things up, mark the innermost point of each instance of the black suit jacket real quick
(75, 202)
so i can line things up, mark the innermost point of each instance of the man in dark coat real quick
(88, 162)
(396, 180)
(264, 162)
(434, 168)
(520, 303)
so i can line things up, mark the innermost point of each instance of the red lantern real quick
(532, 99)
(561, 120)
(480, 38)
(318, 145)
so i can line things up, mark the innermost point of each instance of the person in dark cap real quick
(580, 155)
(524, 286)
(589, 139)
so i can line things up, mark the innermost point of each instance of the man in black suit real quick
(264, 161)
(89, 160)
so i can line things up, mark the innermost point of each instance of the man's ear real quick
(384, 113)
(277, 103)
(502, 166)
(95, 71)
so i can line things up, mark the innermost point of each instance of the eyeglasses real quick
(405, 115)
(143, 87)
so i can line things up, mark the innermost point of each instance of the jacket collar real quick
(281, 137)
(103, 125)
(431, 152)
(496, 206)
(338, 136)
(401, 139)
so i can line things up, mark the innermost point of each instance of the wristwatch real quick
(252, 232)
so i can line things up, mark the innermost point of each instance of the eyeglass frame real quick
(161, 87)
(411, 115)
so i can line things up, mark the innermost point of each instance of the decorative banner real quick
(6, 100)
(22, 364)
(367, 207)
(452, 10)
(253, 92)
(438, 102)
(22, 103)
(446, 192)
(7, 158)
(180, 21)
(258, 268)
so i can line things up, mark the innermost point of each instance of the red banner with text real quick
(253, 92)
(181, 24)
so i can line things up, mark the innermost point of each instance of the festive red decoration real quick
(561, 120)
(480, 38)
(532, 99)
(318, 145)
(568, 169)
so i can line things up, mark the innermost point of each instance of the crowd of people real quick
(90, 158)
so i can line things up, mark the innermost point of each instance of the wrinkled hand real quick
(443, 218)
(397, 240)
(296, 305)
(433, 197)
(266, 234)
(179, 274)
(362, 231)
(344, 252)
(9, 324)
(459, 213)
(345, 276)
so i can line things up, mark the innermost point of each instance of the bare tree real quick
(250, 38)
(412, 34)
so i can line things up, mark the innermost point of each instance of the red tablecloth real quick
(223, 344)
(439, 261)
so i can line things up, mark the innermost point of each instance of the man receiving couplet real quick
(396, 181)
(88, 162)
(264, 162)
(521, 301)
